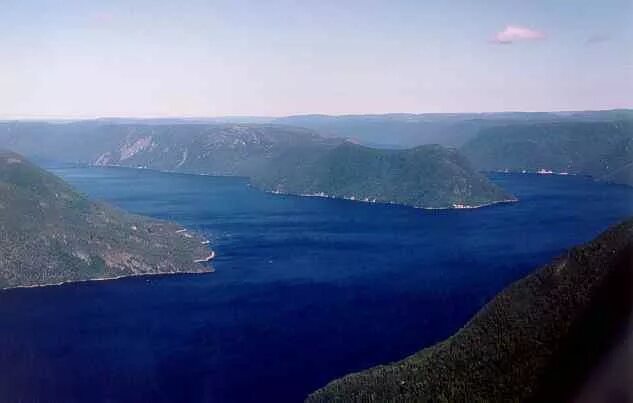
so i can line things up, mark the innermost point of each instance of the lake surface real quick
(306, 289)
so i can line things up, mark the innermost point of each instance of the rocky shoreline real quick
(208, 270)
(374, 201)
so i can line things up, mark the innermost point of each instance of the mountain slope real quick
(278, 158)
(49, 234)
(426, 176)
(603, 150)
(214, 149)
(537, 340)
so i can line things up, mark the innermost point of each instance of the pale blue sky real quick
(64, 58)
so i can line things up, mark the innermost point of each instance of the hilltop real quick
(426, 176)
(547, 337)
(49, 234)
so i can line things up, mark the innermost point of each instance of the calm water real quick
(306, 289)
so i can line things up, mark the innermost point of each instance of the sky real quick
(155, 58)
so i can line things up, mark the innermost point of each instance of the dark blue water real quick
(306, 289)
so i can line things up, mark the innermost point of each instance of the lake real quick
(305, 289)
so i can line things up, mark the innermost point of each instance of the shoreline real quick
(539, 172)
(88, 280)
(374, 201)
(163, 171)
(207, 259)
(473, 207)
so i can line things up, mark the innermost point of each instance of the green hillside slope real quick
(538, 340)
(603, 150)
(426, 176)
(49, 234)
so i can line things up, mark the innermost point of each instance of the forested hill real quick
(49, 234)
(603, 150)
(540, 339)
(427, 176)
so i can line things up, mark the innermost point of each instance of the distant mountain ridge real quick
(603, 150)
(277, 158)
(51, 234)
(388, 130)
(405, 130)
(560, 334)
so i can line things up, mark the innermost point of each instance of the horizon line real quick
(256, 116)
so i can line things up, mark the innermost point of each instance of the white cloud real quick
(515, 33)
